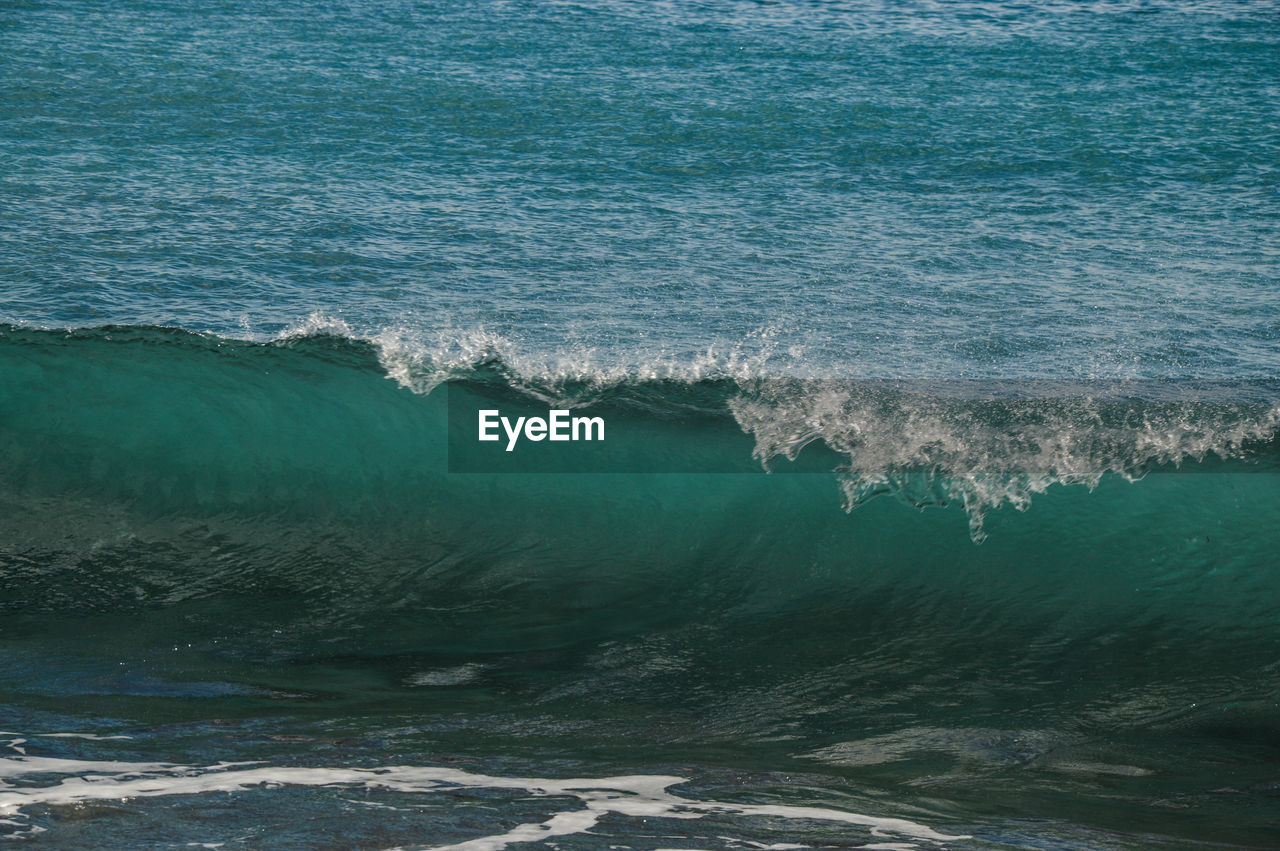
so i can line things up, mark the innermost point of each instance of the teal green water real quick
(262, 264)
(257, 552)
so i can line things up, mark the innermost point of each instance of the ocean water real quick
(938, 351)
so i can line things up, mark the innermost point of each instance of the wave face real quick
(1069, 596)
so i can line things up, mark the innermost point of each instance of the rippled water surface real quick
(261, 262)
(877, 188)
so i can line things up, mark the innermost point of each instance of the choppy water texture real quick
(907, 187)
(257, 260)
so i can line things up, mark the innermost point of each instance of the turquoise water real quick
(261, 265)
(1053, 188)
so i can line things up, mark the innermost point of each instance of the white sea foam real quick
(421, 360)
(316, 323)
(632, 796)
(420, 357)
(985, 450)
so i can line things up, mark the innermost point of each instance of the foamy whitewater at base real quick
(81, 782)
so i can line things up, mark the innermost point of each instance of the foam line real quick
(635, 796)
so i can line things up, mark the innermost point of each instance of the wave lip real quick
(319, 416)
(990, 443)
